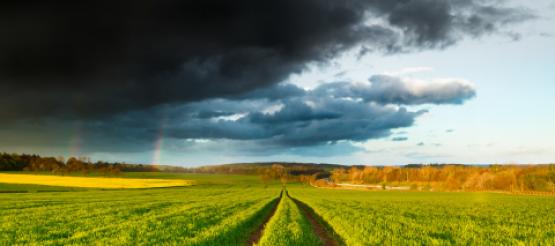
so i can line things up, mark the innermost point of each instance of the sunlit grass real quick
(226, 210)
(433, 218)
(289, 227)
(194, 215)
(90, 182)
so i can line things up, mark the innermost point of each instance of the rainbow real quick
(76, 140)
(159, 141)
(157, 153)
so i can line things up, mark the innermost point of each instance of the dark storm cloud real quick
(294, 111)
(291, 120)
(329, 113)
(212, 114)
(297, 123)
(274, 92)
(283, 117)
(440, 23)
(86, 59)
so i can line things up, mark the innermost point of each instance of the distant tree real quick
(338, 175)
(265, 175)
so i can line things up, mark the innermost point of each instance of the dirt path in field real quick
(319, 226)
(257, 234)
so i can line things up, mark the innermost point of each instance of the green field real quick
(216, 213)
(432, 218)
(230, 209)
(289, 227)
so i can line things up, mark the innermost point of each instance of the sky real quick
(347, 82)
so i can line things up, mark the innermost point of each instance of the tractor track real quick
(255, 236)
(319, 226)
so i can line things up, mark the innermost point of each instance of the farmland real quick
(289, 226)
(199, 215)
(230, 209)
(393, 218)
(88, 182)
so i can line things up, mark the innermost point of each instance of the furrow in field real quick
(289, 226)
(393, 218)
(323, 230)
(173, 216)
(150, 219)
(255, 236)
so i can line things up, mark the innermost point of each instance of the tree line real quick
(61, 165)
(514, 178)
(294, 169)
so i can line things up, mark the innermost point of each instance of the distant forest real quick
(513, 178)
(59, 165)
(446, 177)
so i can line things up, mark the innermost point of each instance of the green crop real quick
(229, 210)
(433, 218)
(201, 215)
(289, 226)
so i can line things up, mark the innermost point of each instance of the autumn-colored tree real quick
(338, 175)
(454, 177)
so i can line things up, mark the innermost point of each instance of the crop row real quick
(393, 218)
(289, 226)
(184, 216)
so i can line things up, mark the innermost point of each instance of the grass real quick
(89, 182)
(199, 178)
(288, 227)
(25, 188)
(195, 215)
(433, 218)
(225, 210)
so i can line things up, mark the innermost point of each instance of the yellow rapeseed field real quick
(98, 182)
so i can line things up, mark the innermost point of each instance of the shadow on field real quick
(321, 228)
(14, 191)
